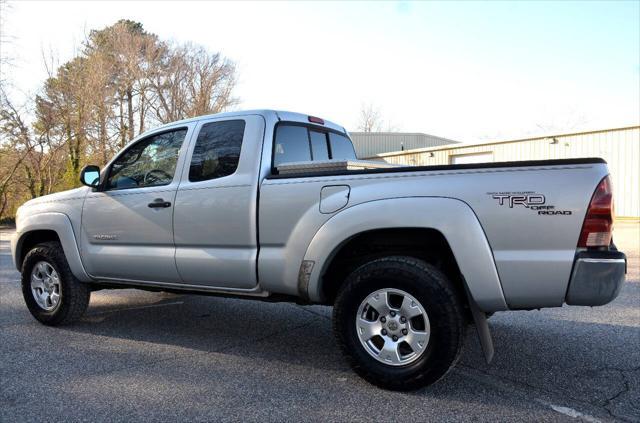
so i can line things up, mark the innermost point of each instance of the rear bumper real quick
(597, 277)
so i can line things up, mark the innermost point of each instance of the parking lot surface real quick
(154, 356)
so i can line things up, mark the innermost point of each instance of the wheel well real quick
(422, 243)
(33, 238)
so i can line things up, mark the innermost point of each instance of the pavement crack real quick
(525, 386)
(523, 383)
(607, 404)
(315, 313)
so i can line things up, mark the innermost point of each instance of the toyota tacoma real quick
(275, 206)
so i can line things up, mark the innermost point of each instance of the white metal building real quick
(371, 143)
(620, 147)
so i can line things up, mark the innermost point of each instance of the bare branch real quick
(370, 119)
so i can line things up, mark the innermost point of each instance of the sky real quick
(469, 71)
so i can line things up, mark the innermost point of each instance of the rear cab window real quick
(319, 146)
(341, 146)
(301, 143)
(291, 145)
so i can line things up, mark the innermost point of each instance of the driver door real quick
(127, 225)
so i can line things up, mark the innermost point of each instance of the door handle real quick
(159, 203)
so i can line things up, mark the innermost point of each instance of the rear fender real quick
(451, 217)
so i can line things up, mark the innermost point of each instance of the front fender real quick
(61, 225)
(451, 217)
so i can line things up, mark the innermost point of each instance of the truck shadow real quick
(550, 351)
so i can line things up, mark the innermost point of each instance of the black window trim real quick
(309, 128)
(326, 141)
(329, 149)
(103, 185)
(311, 145)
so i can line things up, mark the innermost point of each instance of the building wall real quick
(372, 143)
(619, 147)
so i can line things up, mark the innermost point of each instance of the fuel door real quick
(333, 198)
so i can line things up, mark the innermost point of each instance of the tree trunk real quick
(123, 128)
(70, 144)
(103, 135)
(79, 141)
(142, 112)
(42, 187)
(130, 112)
(3, 203)
(31, 183)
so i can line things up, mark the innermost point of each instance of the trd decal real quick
(527, 199)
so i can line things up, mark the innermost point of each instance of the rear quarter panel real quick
(533, 252)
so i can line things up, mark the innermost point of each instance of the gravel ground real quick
(153, 356)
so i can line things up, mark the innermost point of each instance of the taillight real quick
(598, 224)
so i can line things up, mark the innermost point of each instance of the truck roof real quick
(268, 114)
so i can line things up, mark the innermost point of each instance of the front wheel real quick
(52, 294)
(399, 322)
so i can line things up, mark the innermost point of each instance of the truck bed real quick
(533, 246)
(290, 173)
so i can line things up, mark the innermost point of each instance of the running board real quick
(254, 292)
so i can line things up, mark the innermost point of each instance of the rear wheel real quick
(52, 294)
(399, 322)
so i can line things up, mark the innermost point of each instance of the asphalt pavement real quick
(154, 356)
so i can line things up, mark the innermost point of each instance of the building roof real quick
(483, 143)
(372, 143)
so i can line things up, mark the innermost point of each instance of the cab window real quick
(217, 150)
(299, 143)
(292, 145)
(319, 148)
(148, 163)
(341, 147)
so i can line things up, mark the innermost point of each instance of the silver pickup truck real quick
(409, 257)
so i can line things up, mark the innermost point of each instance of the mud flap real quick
(482, 326)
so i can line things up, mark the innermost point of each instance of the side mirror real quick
(90, 176)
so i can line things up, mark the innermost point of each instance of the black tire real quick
(428, 286)
(74, 295)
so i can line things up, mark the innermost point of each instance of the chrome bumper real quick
(597, 277)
